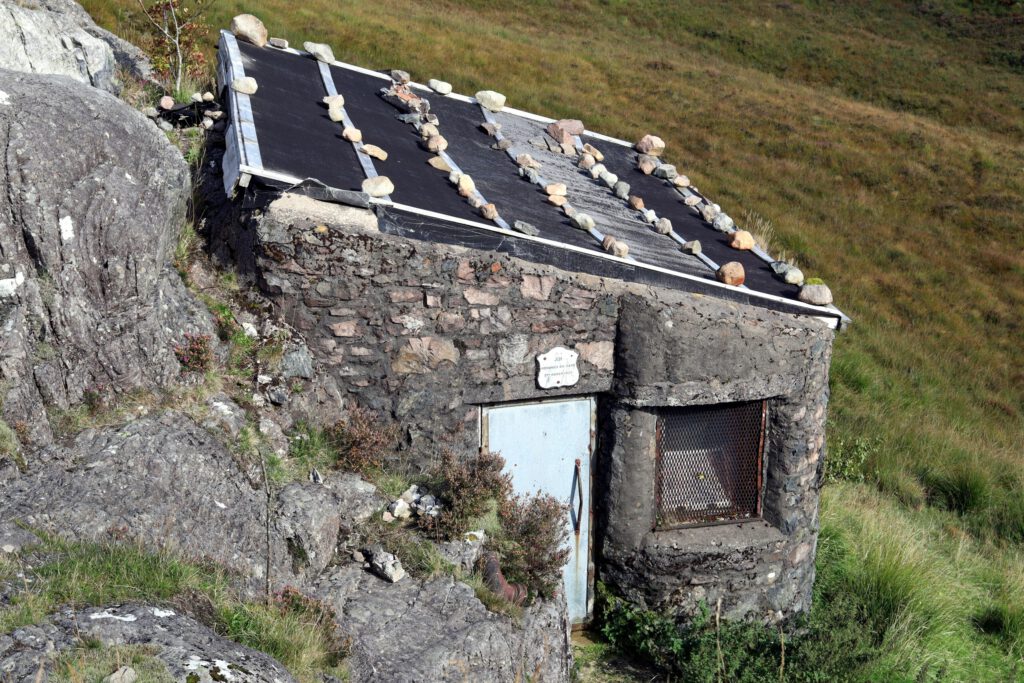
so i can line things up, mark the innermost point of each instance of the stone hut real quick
(498, 280)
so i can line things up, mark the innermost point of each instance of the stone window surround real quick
(742, 533)
(763, 474)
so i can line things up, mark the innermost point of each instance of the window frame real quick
(709, 518)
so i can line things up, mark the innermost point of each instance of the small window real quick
(709, 463)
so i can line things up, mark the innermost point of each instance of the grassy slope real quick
(884, 140)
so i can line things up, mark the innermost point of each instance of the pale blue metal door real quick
(547, 448)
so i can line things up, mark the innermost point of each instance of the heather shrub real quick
(533, 542)
(95, 398)
(465, 487)
(362, 440)
(196, 353)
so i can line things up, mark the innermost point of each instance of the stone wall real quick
(683, 350)
(425, 333)
(421, 332)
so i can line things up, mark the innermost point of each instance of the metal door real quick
(547, 447)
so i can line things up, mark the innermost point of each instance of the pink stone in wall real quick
(465, 271)
(579, 298)
(800, 553)
(537, 286)
(479, 297)
(424, 354)
(599, 354)
(347, 328)
(404, 296)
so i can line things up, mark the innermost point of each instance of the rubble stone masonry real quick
(426, 333)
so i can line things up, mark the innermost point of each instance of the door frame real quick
(484, 434)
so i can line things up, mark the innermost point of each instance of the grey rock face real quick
(385, 564)
(167, 483)
(463, 553)
(94, 201)
(297, 362)
(189, 650)
(455, 639)
(59, 37)
(224, 415)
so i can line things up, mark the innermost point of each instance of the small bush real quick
(362, 440)
(310, 447)
(420, 557)
(195, 354)
(177, 33)
(186, 248)
(465, 489)
(491, 600)
(762, 230)
(1002, 620)
(846, 460)
(832, 644)
(95, 398)
(532, 543)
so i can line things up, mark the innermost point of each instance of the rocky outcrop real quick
(438, 630)
(191, 652)
(59, 37)
(94, 200)
(167, 483)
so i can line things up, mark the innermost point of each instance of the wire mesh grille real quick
(709, 463)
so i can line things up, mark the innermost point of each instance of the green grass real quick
(419, 557)
(299, 635)
(491, 600)
(883, 140)
(9, 445)
(901, 595)
(92, 663)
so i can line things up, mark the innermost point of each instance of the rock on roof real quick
(470, 170)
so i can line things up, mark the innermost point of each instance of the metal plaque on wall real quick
(557, 368)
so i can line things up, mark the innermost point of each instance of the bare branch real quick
(153, 21)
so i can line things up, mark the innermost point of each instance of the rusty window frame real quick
(707, 451)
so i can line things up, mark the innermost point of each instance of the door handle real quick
(578, 481)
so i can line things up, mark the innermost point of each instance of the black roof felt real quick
(297, 139)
